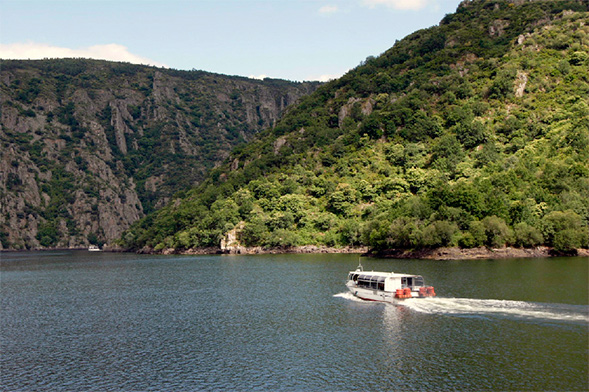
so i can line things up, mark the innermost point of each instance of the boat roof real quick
(385, 274)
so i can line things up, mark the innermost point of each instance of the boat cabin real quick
(385, 281)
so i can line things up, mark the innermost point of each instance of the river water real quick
(73, 321)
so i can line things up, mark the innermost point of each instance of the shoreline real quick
(258, 250)
(481, 253)
(449, 253)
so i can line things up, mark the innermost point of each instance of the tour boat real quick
(387, 286)
(94, 248)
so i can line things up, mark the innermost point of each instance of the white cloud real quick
(412, 5)
(320, 78)
(36, 51)
(326, 78)
(260, 77)
(328, 9)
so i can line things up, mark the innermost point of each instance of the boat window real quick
(364, 280)
(407, 281)
(370, 281)
(353, 276)
(418, 281)
(380, 283)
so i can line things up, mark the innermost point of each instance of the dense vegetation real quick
(471, 133)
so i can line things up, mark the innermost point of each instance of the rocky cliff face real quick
(88, 147)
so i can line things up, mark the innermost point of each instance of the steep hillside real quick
(471, 133)
(89, 147)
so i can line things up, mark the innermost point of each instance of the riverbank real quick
(456, 253)
(258, 250)
(453, 253)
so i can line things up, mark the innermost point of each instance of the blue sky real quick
(288, 39)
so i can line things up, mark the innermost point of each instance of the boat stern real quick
(427, 291)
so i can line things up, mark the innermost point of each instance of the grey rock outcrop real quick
(89, 147)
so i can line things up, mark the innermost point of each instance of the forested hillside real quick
(89, 147)
(471, 133)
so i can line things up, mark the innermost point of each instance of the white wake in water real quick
(501, 308)
(492, 308)
(349, 296)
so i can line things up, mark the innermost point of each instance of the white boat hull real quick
(375, 295)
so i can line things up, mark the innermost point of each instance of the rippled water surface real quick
(99, 321)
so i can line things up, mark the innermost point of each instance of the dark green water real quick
(98, 321)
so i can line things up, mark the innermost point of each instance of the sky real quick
(288, 39)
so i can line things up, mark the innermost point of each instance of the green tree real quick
(564, 230)
(255, 233)
(497, 232)
(48, 234)
(403, 233)
(475, 236)
(447, 153)
(342, 200)
(527, 236)
(438, 233)
(568, 240)
(471, 134)
(351, 231)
